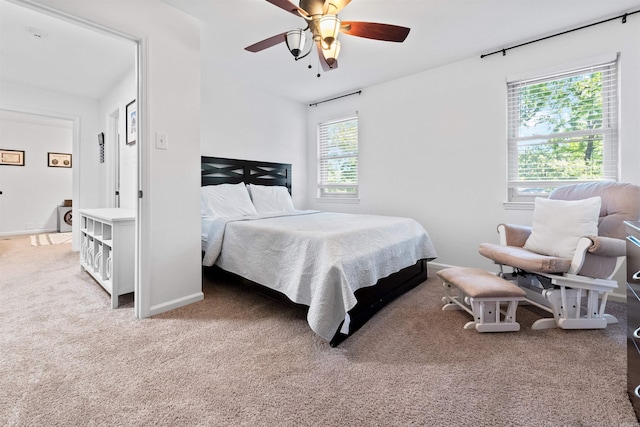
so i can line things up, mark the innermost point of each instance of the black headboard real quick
(217, 170)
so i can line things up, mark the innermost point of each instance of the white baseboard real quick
(21, 233)
(617, 297)
(172, 305)
(436, 266)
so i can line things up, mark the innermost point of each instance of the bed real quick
(343, 267)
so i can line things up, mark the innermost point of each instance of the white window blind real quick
(562, 129)
(338, 158)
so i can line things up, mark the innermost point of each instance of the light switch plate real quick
(162, 142)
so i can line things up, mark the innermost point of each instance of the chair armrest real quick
(584, 243)
(513, 235)
(598, 256)
(607, 246)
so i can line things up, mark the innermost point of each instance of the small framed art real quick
(59, 160)
(132, 122)
(12, 157)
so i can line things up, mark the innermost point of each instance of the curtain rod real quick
(314, 104)
(504, 51)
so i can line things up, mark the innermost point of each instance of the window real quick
(562, 129)
(338, 159)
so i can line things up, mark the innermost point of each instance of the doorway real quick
(55, 66)
(32, 189)
(122, 157)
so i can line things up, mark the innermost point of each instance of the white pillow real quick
(271, 198)
(559, 224)
(225, 200)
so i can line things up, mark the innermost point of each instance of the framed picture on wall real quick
(59, 160)
(132, 122)
(12, 157)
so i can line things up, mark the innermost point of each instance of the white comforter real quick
(318, 259)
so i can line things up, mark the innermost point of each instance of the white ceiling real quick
(76, 60)
(42, 51)
(442, 31)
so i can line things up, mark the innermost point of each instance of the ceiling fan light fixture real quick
(297, 41)
(331, 54)
(323, 26)
(329, 27)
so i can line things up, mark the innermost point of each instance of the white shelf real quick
(107, 249)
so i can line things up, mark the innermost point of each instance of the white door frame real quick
(113, 192)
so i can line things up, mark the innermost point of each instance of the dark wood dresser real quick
(633, 313)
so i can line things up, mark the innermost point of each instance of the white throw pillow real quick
(271, 198)
(226, 200)
(559, 224)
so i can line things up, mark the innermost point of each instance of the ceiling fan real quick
(323, 26)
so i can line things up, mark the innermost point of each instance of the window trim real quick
(611, 147)
(321, 194)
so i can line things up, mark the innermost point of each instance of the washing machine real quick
(64, 218)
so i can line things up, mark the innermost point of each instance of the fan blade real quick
(335, 6)
(323, 61)
(289, 7)
(266, 43)
(373, 30)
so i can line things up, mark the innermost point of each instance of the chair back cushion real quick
(558, 225)
(620, 202)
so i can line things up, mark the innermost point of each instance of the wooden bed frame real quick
(216, 170)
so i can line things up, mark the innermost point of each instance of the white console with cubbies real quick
(107, 239)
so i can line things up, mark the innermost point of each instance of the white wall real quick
(33, 192)
(111, 106)
(169, 212)
(242, 122)
(433, 145)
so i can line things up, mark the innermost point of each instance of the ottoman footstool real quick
(482, 294)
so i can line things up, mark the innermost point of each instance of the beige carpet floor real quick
(238, 358)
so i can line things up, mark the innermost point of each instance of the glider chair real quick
(566, 261)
